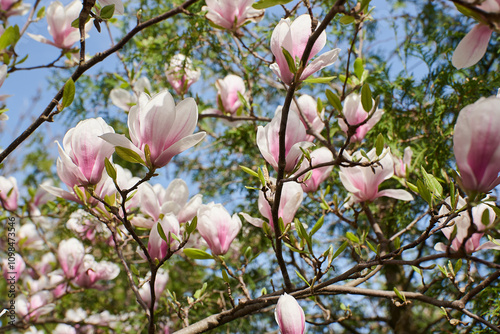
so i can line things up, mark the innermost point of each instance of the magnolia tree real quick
(332, 162)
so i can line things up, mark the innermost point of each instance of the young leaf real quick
(347, 19)
(317, 226)
(334, 100)
(351, 236)
(107, 11)
(302, 278)
(319, 80)
(110, 169)
(432, 183)
(197, 254)
(366, 97)
(9, 37)
(379, 144)
(128, 155)
(68, 93)
(225, 276)
(289, 60)
(263, 4)
(358, 67)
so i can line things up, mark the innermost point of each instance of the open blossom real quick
(473, 46)
(70, 254)
(295, 138)
(355, 114)
(160, 283)
(59, 19)
(293, 37)
(402, 165)
(157, 247)
(476, 144)
(232, 14)
(462, 223)
(217, 227)
(291, 198)
(174, 199)
(34, 306)
(92, 271)
(289, 315)
(14, 270)
(306, 105)
(181, 73)
(363, 182)
(124, 100)
(165, 127)
(9, 194)
(319, 156)
(13, 7)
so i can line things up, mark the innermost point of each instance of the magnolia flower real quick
(402, 165)
(289, 315)
(70, 255)
(232, 14)
(12, 270)
(462, 223)
(355, 114)
(13, 7)
(307, 106)
(181, 73)
(157, 247)
(293, 37)
(92, 271)
(160, 283)
(295, 138)
(64, 329)
(473, 46)
(217, 227)
(59, 19)
(81, 162)
(30, 237)
(319, 156)
(35, 306)
(124, 100)
(476, 144)
(227, 93)
(9, 194)
(165, 127)
(174, 199)
(291, 198)
(363, 182)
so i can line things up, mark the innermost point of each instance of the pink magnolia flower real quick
(59, 19)
(462, 224)
(293, 37)
(36, 306)
(157, 247)
(13, 7)
(319, 156)
(13, 269)
(402, 165)
(9, 194)
(174, 199)
(29, 238)
(363, 182)
(227, 93)
(160, 283)
(289, 315)
(70, 254)
(473, 46)
(232, 14)
(64, 329)
(81, 162)
(217, 227)
(92, 271)
(306, 105)
(355, 114)
(124, 100)
(165, 127)
(181, 73)
(268, 140)
(291, 198)
(476, 144)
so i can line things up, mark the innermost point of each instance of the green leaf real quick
(417, 270)
(9, 37)
(302, 278)
(366, 97)
(129, 155)
(162, 233)
(379, 144)
(320, 79)
(197, 254)
(351, 236)
(261, 177)
(458, 265)
(134, 270)
(358, 67)
(317, 226)
(371, 246)
(424, 192)
(68, 93)
(412, 187)
(340, 250)
(485, 217)
(243, 100)
(289, 60)
(432, 183)
(249, 171)
(334, 100)
(192, 226)
(294, 249)
(263, 4)
(397, 243)
(399, 294)
(110, 169)
(200, 292)
(147, 155)
(347, 19)
(107, 11)
(41, 13)
(225, 276)
(364, 4)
